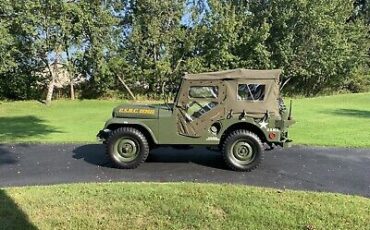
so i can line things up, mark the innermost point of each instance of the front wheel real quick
(127, 148)
(242, 150)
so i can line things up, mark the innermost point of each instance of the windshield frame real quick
(176, 99)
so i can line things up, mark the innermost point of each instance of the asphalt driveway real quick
(301, 168)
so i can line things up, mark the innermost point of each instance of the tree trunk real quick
(126, 87)
(72, 91)
(49, 95)
(163, 90)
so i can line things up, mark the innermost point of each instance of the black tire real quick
(242, 150)
(127, 147)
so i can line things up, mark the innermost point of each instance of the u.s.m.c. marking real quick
(137, 111)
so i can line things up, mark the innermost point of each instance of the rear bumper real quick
(285, 141)
(285, 144)
(103, 135)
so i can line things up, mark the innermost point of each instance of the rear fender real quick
(252, 127)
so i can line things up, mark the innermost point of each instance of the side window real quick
(197, 109)
(203, 92)
(251, 92)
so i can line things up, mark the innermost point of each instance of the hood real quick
(136, 111)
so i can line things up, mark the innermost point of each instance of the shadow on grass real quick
(351, 113)
(11, 216)
(95, 154)
(13, 128)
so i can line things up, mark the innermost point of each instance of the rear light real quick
(272, 135)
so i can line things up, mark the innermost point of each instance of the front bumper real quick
(103, 135)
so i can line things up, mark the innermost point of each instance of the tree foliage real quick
(321, 45)
(318, 48)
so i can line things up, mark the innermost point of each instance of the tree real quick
(38, 31)
(314, 43)
(362, 10)
(234, 35)
(7, 50)
(321, 45)
(151, 46)
(99, 28)
(73, 40)
(16, 75)
(7, 61)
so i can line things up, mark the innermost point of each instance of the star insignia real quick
(264, 124)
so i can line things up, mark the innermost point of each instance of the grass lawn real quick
(62, 122)
(177, 206)
(342, 120)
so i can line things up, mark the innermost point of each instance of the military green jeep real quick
(239, 112)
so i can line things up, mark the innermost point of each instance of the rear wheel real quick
(127, 148)
(242, 150)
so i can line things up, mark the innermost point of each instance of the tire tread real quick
(144, 145)
(242, 132)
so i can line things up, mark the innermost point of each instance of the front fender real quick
(114, 123)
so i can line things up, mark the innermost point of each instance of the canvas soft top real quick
(236, 74)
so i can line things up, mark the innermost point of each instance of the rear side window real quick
(251, 92)
(203, 92)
